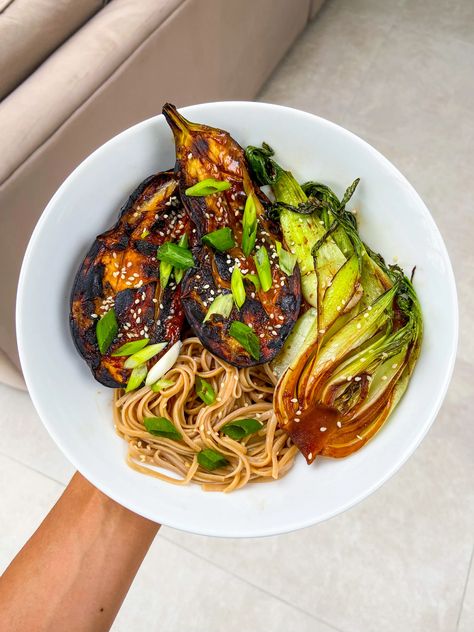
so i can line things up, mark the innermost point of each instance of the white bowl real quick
(77, 411)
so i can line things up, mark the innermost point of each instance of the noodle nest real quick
(240, 394)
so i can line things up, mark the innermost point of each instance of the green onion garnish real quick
(136, 377)
(241, 428)
(246, 337)
(253, 278)
(207, 187)
(221, 305)
(205, 391)
(161, 384)
(131, 347)
(237, 287)
(106, 330)
(249, 225)
(161, 427)
(182, 243)
(142, 356)
(178, 256)
(221, 239)
(210, 459)
(165, 273)
(262, 263)
(286, 260)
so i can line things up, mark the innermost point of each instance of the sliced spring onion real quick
(106, 330)
(249, 225)
(207, 187)
(253, 278)
(210, 459)
(221, 305)
(205, 391)
(136, 377)
(164, 364)
(142, 356)
(286, 260)
(246, 337)
(182, 243)
(240, 428)
(178, 256)
(237, 287)
(131, 347)
(161, 384)
(264, 271)
(221, 239)
(165, 273)
(161, 427)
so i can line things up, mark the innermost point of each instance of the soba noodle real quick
(240, 394)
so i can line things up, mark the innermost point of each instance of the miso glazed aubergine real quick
(238, 328)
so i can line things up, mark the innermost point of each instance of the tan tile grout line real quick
(463, 597)
(249, 583)
(29, 467)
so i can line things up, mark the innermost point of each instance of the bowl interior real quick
(77, 410)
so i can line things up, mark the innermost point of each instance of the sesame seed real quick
(366, 315)
(296, 420)
(114, 255)
(349, 378)
(359, 325)
(189, 156)
(357, 379)
(94, 316)
(394, 366)
(294, 400)
(359, 437)
(323, 429)
(338, 424)
(310, 456)
(138, 320)
(298, 412)
(384, 377)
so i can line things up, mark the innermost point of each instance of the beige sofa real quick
(75, 72)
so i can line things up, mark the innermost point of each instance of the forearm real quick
(75, 571)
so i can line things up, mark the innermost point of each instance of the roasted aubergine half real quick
(122, 293)
(243, 295)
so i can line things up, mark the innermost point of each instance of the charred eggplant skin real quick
(121, 271)
(205, 152)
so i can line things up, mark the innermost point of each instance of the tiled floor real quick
(401, 75)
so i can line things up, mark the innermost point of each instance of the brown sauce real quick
(317, 424)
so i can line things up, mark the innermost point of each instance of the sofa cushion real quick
(30, 114)
(30, 30)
